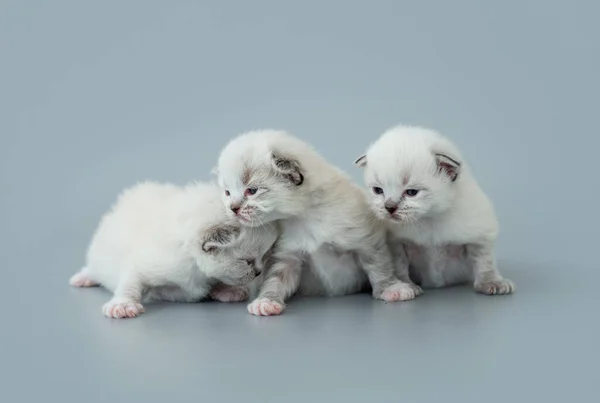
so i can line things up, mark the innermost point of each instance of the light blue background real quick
(96, 95)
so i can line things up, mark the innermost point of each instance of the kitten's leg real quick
(126, 302)
(173, 293)
(402, 263)
(377, 263)
(282, 282)
(229, 293)
(487, 277)
(83, 279)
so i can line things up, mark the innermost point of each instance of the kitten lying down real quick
(330, 240)
(170, 243)
(441, 224)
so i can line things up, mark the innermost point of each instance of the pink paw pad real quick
(120, 310)
(398, 292)
(265, 307)
(499, 287)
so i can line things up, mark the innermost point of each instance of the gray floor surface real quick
(95, 96)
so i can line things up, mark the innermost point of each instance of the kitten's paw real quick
(120, 309)
(82, 280)
(265, 307)
(229, 294)
(400, 292)
(499, 287)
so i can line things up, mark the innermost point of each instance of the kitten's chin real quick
(251, 221)
(395, 218)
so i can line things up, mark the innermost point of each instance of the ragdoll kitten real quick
(170, 243)
(441, 222)
(327, 227)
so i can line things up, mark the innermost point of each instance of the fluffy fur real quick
(441, 223)
(330, 238)
(164, 242)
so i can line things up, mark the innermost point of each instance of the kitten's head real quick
(411, 173)
(262, 177)
(237, 254)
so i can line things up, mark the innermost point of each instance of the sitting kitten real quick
(441, 222)
(163, 242)
(327, 228)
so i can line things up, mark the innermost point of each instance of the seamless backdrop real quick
(95, 96)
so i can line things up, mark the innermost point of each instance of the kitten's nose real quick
(390, 206)
(235, 208)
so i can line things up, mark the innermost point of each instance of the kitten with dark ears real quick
(170, 243)
(330, 242)
(441, 224)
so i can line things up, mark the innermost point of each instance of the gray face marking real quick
(246, 175)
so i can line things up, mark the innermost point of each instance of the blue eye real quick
(251, 191)
(377, 190)
(411, 192)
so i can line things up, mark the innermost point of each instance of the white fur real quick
(330, 237)
(447, 231)
(158, 243)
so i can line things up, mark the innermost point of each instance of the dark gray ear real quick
(288, 168)
(448, 166)
(361, 161)
(219, 237)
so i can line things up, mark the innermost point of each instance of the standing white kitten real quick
(164, 242)
(441, 222)
(328, 230)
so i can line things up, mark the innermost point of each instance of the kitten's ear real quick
(448, 166)
(361, 161)
(219, 236)
(287, 167)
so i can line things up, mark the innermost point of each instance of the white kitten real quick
(441, 222)
(328, 230)
(164, 242)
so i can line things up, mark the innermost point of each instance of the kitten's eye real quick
(377, 190)
(227, 193)
(250, 191)
(411, 192)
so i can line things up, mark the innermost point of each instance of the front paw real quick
(226, 293)
(498, 287)
(265, 307)
(400, 291)
(120, 309)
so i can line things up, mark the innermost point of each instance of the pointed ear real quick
(219, 237)
(448, 166)
(288, 168)
(361, 161)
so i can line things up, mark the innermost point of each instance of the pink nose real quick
(235, 209)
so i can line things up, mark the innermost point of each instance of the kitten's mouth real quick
(398, 217)
(248, 217)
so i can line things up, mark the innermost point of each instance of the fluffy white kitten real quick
(441, 222)
(328, 230)
(164, 242)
